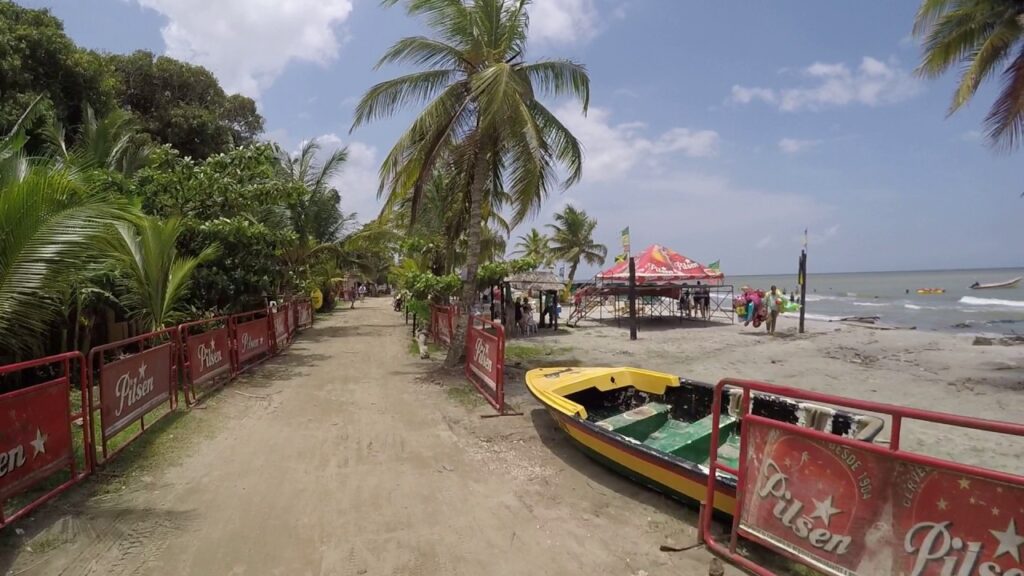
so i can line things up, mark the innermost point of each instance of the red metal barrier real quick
(303, 313)
(485, 359)
(851, 507)
(135, 376)
(250, 338)
(442, 323)
(36, 433)
(205, 355)
(280, 321)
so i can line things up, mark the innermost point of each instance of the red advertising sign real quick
(253, 338)
(280, 319)
(305, 314)
(131, 387)
(35, 435)
(208, 355)
(482, 356)
(850, 511)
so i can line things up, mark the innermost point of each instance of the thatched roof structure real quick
(536, 280)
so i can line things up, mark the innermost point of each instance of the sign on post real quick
(442, 323)
(280, 322)
(36, 435)
(131, 387)
(854, 508)
(252, 338)
(485, 359)
(206, 356)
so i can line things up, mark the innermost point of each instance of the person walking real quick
(774, 303)
(362, 292)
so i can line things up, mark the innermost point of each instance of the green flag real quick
(714, 265)
(625, 240)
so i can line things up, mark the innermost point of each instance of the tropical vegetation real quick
(482, 125)
(572, 240)
(980, 38)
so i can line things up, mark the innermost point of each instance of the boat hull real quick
(673, 477)
(1008, 284)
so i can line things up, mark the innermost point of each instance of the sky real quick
(719, 129)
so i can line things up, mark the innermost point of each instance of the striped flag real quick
(625, 241)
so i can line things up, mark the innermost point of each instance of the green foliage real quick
(492, 273)
(536, 246)
(572, 240)
(979, 38)
(38, 58)
(183, 105)
(153, 276)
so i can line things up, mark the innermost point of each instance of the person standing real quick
(774, 306)
(362, 292)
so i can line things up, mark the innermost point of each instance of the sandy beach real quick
(922, 369)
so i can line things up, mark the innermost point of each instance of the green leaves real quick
(572, 239)
(979, 36)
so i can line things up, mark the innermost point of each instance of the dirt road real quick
(340, 458)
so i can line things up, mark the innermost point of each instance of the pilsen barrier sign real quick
(485, 360)
(206, 356)
(250, 335)
(140, 376)
(850, 507)
(303, 313)
(36, 430)
(442, 323)
(281, 326)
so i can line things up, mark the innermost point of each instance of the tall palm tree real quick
(154, 277)
(572, 240)
(482, 116)
(315, 214)
(979, 37)
(535, 246)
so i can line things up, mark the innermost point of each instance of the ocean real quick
(884, 294)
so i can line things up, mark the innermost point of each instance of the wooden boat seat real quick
(638, 423)
(689, 441)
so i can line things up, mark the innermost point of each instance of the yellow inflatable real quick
(316, 297)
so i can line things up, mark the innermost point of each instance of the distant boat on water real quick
(1007, 284)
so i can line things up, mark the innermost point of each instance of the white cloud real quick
(248, 43)
(744, 95)
(794, 145)
(564, 21)
(612, 150)
(357, 181)
(872, 83)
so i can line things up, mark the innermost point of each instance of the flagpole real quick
(802, 276)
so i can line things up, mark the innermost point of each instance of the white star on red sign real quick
(824, 510)
(1009, 541)
(942, 504)
(142, 370)
(39, 444)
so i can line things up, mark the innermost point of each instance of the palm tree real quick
(50, 227)
(978, 37)
(536, 247)
(572, 240)
(315, 214)
(482, 116)
(154, 278)
(110, 143)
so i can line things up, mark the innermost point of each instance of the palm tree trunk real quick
(572, 273)
(476, 194)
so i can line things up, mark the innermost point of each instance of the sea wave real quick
(870, 304)
(822, 317)
(973, 301)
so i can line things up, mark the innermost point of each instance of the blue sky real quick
(719, 129)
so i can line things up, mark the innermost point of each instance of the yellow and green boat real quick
(655, 428)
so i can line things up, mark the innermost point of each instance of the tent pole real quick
(632, 298)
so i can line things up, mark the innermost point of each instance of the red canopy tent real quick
(658, 265)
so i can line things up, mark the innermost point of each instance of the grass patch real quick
(527, 352)
(466, 396)
(434, 349)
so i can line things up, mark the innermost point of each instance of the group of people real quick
(759, 307)
(695, 302)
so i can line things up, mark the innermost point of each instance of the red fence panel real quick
(485, 359)
(280, 321)
(303, 313)
(250, 338)
(442, 323)
(850, 507)
(136, 375)
(205, 355)
(36, 428)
